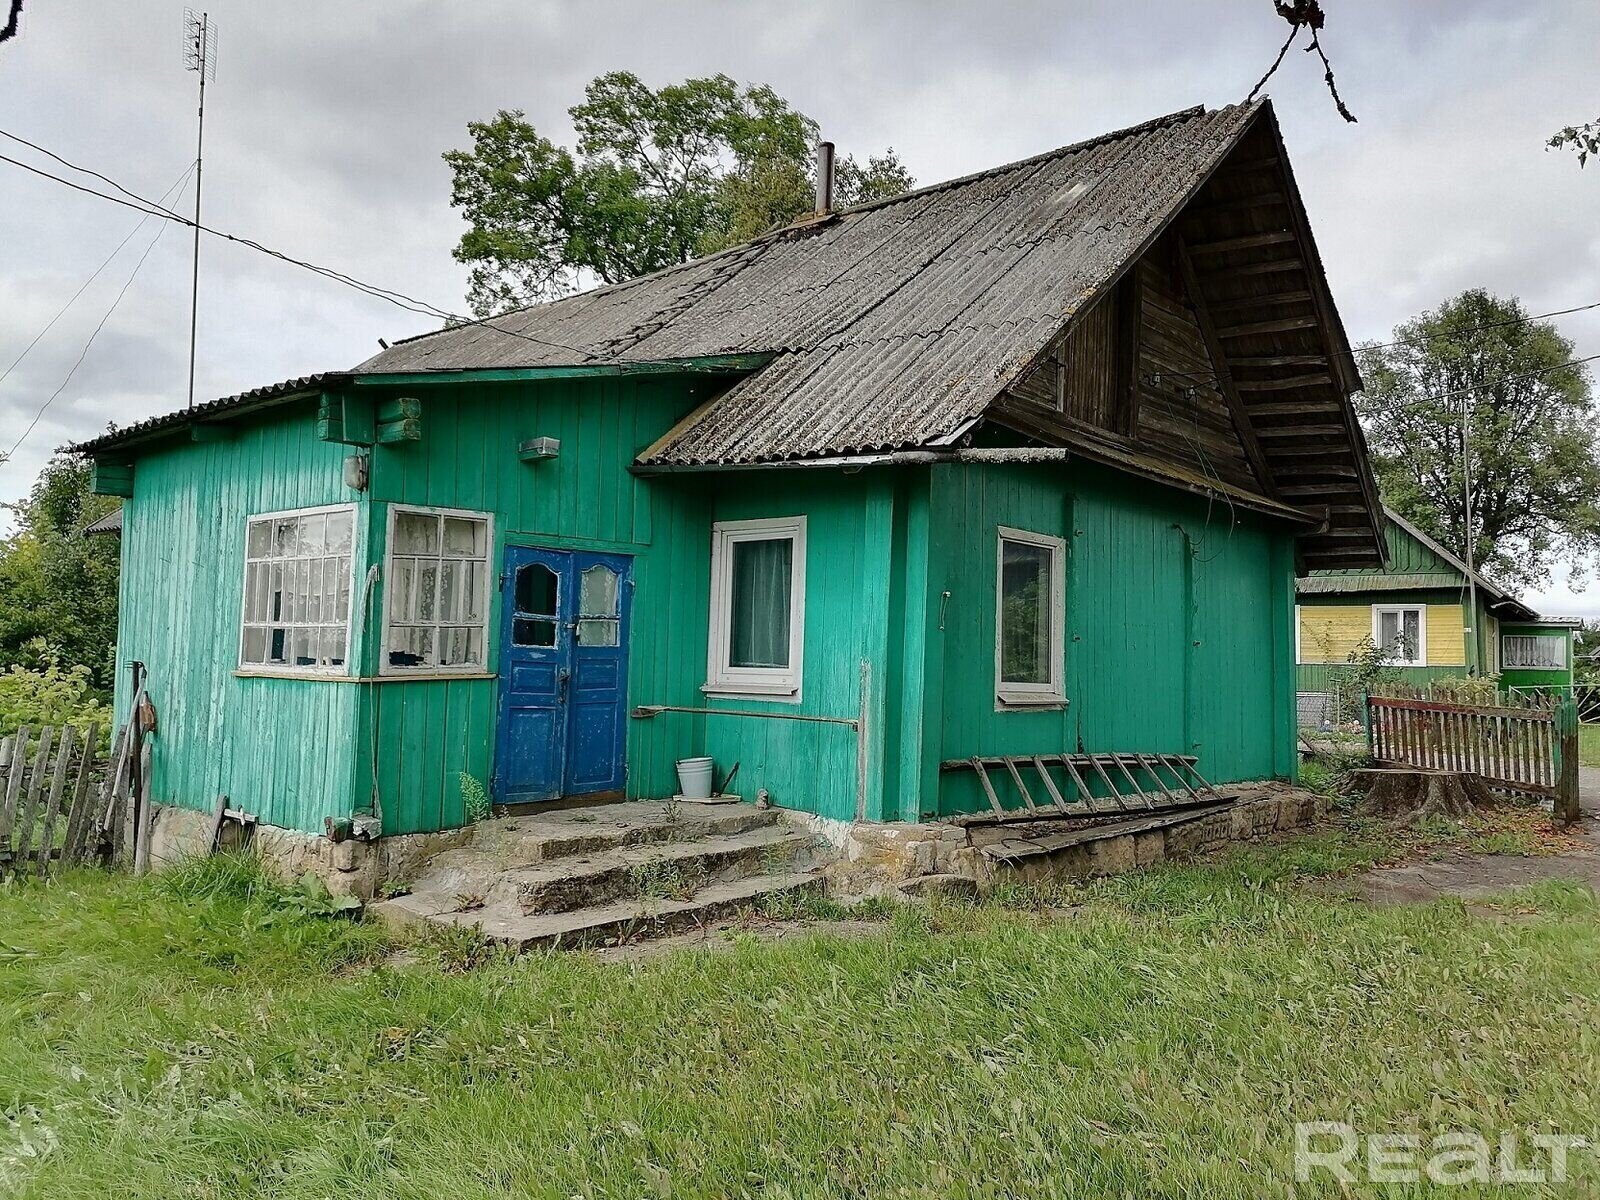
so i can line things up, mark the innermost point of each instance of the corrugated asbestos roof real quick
(896, 323)
(110, 523)
(227, 405)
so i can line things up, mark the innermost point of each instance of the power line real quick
(62, 311)
(1560, 312)
(73, 370)
(145, 205)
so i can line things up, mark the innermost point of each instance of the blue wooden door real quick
(563, 674)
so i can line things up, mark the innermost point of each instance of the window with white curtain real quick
(1401, 632)
(1526, 652)
(1030, 618)
(295, 618)
(436, 591)
(758, 572)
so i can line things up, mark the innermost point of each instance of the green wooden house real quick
(1420, 610)
(1021, 463)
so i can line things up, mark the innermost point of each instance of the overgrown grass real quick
(159, 1038)
(1589, 745)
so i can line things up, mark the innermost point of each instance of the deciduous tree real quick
(1530, 421)
(656, 177)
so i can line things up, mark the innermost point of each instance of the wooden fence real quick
(61, 802)
(1531, 749)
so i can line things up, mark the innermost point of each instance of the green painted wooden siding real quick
(1178, 628)
(281, 748)
(1178, 631)
(429, 733)
(1525, 678)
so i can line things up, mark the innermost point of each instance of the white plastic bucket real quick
(694, 778)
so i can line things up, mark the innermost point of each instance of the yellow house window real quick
(1401, 633)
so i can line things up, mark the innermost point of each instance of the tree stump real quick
(1408, 795)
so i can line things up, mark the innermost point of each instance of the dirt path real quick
(1468, 876)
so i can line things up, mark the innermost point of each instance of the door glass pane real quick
(597, 592)
(533, 631)
(536, 591)
(760, 604)
(597, 631)
(1024, 613)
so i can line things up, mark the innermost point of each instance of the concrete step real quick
(659, 868)
(507, 925)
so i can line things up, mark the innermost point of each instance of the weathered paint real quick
(1179, 618)
(281, 748)
(1332, 632)
(1178, 626)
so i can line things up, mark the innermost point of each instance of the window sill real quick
(309, 677)
(751, 691)
(1003, 703)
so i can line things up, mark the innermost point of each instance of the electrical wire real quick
(84, 353)
(143, 204)
(62, 311)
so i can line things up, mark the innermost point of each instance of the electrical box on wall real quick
(538, 448)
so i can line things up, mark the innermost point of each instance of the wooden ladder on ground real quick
(1171, 781)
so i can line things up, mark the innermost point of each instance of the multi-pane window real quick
(1399, 632)
(296, 612)
(1030, 618)
(436, 590)
(1529, 653)
(758, 573)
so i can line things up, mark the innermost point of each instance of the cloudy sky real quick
(326, 122)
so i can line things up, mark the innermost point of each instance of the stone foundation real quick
(349, 868)
(891, 858)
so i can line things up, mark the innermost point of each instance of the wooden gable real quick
(1218, 362)
(1136, 370)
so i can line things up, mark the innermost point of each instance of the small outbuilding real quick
(1021, 464)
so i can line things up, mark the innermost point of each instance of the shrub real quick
(50, 695)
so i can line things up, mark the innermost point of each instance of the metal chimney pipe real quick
(824, 177)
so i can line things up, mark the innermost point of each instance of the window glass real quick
(597, 607)
(1025, 613)
(537, 600)
(1530, 653)
(437, 575)
(759, 614)
(1400, 633)
(296, 608)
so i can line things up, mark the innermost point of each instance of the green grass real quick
(197, 1036)
(1589, 745)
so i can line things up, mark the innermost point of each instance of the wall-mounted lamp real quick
(356, 471)
(538, 448)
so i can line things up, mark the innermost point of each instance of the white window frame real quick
(287, 670)
(1023, 695)
(770, 683)
(1505, 659)
(490, 590)
(1420, 650)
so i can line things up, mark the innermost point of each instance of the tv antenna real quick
(199, 56)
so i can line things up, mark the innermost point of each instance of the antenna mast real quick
(1474, 638)
(199, 56)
